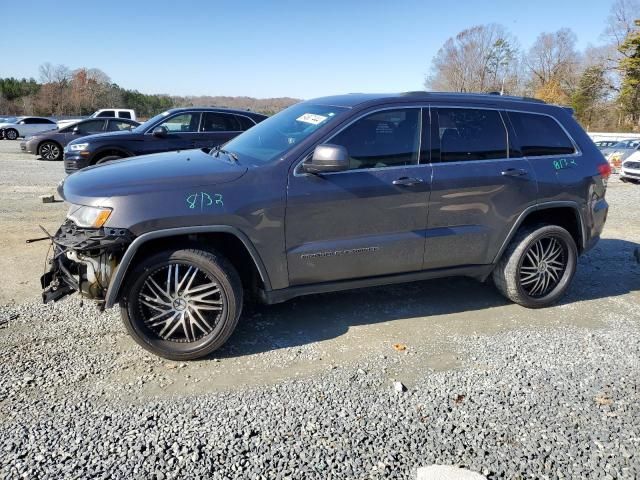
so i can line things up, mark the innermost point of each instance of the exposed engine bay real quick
(84, 260)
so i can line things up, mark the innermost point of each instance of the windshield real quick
(143, 127)
(275, 135)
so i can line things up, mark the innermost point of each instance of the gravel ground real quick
(306, 389)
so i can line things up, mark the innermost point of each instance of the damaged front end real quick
(84, 261)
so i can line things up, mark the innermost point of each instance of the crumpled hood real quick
(148, 173)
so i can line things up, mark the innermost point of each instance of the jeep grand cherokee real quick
(330, 194)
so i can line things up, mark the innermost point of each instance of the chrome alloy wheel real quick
(49, 151)
(543, 266)
(181, 303)
(11, 134)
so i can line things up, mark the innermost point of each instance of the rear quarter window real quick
(540, 135)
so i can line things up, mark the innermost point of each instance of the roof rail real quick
(473, 94)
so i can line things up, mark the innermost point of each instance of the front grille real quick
(634, 165)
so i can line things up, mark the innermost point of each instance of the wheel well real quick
(109, 152)
(49, 141)
(565, 217)
(226, 244)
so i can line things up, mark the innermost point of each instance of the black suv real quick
(330, 194)
(175, 129)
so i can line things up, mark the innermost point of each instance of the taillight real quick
(605, 170)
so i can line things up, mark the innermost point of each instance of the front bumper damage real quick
(83, 261)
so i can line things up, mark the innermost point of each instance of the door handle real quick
(515, 172)
(407, 181)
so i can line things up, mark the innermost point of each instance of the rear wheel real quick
(11, 134)
(537, 267)
(182, 304)
(50, 151)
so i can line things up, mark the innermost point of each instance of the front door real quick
(369, 220)
(182, 134)
(480, 187)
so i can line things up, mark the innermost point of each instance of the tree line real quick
(61, 91)
(602, 83)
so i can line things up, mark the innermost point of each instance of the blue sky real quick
(268, 48)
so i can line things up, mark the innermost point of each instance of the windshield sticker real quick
(311, 118)
(202, 200)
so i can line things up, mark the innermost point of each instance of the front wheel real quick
(50, 151)
(537, 267)
(11, 134)
(183, 304)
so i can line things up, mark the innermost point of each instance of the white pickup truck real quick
(103, 112)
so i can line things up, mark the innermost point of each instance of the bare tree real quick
(620, 22)
(477, 59)
(54, 73)
(554, 65)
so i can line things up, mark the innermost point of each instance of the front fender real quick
(118, 277)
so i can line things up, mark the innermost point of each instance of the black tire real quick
(108, 158)
(518, 279)
(50, 151)
(11, 134)
(135, 312)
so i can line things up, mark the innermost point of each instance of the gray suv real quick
(330, 194)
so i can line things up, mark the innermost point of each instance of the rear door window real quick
(219, 122)
(245, 123)
(471, 134)
(540, 135)
(123, 114)
(117, 125)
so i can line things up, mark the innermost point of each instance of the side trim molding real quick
(479, 272)
(123, 267)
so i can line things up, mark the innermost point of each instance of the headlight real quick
(88, 217)
(78, 146)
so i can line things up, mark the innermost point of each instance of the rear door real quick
(552, 154)
(217, 128)
(480, 186)
(369, 220)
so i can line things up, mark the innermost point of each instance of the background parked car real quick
(620, 152)
(102, 113)
(175, 129)
(25, 126)
(630, 171)
(49, 145)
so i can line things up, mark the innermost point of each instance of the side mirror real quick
(76, 130)
(160, 132)
(327, 158)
